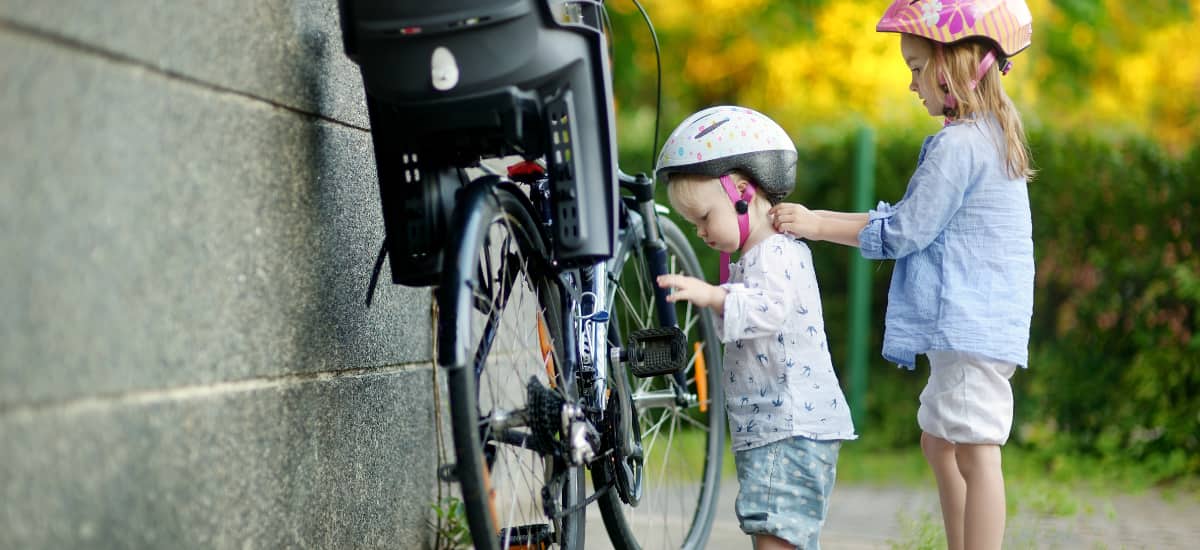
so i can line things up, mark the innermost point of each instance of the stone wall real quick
(188, 222)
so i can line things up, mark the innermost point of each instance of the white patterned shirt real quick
(779, 379)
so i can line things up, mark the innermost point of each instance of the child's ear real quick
(739, 182)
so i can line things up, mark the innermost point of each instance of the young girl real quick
(725, 167)
(962, 288)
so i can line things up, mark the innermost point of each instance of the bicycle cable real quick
(658, 80)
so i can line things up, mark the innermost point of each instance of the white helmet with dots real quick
(719, 140)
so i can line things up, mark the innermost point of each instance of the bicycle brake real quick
(656, 351)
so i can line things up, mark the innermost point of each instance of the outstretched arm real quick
(695, 291)
(818, 225)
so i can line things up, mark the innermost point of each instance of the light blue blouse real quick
(962, 238)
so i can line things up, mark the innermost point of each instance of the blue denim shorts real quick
(784, 489)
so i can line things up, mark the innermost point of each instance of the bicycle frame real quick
(552, 102)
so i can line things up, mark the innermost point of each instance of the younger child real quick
(725, 167)
(962, 287)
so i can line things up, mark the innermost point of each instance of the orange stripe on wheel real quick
(701, 377)
(491, 494)
(547, 350)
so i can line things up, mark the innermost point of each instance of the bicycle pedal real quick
(533, 537)
(656, 351)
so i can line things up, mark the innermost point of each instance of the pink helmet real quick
(1008, 23)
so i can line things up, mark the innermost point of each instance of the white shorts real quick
(968, 398)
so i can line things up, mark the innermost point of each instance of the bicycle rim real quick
(683, 446)
(513, 334)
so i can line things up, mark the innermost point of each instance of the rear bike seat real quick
(449, 82)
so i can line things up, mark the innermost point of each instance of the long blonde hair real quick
(959, 63)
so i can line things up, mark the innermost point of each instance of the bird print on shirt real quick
(768, 359)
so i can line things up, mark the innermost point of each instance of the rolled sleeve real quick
(753, 312)
(870, 239)
(935, 192)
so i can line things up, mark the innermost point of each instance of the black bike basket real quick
(450, 81)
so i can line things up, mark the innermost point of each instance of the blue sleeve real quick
(935, 193)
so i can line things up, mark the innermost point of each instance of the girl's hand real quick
(797, 220)
(693, 290)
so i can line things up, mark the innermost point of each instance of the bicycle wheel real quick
(500, 306)
(683, 445)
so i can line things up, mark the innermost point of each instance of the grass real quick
(1061, 486)
(1035, 482)
(921, 532)
(1038, 483)
(450, 526)
(864, 462)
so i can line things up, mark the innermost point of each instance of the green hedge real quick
(1115, 354)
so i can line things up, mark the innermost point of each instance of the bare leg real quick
(952, 488)
(985, 514)
(769, 542)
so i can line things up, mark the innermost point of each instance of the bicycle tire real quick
(500, 476)
(652, 524)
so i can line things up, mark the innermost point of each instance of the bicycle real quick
(561, 353)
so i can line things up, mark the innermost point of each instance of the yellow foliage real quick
(848, 73)
(843, 73)
(704, 14)
(1157, 86)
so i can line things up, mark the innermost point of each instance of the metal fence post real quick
(860, 280)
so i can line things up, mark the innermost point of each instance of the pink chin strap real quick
(741, 203)
(984, 64)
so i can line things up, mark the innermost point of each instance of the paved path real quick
(862, 518)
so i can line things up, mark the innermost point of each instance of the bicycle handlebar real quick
(641, 185)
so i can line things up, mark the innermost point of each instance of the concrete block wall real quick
(188, 222)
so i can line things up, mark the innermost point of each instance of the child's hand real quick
(693, 290)
(796, 219)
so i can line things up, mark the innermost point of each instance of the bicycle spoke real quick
(510, 301)
(678, 485)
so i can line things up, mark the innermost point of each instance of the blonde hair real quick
(959, 63)
(683, 189)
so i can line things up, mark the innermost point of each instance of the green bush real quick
(1115, 367)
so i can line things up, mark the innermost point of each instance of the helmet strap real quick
(986, 63)
(741, 203)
